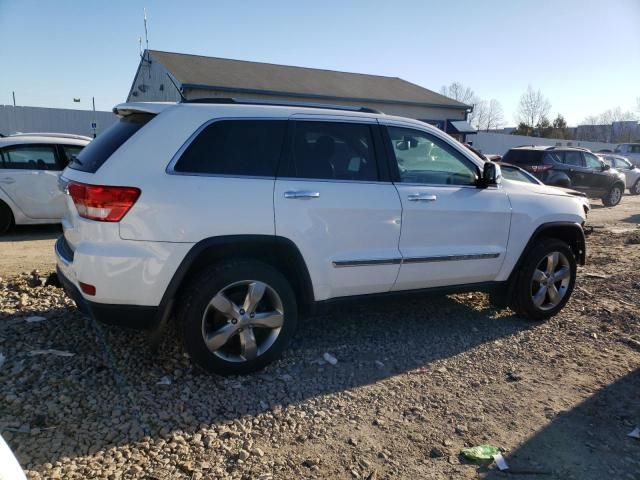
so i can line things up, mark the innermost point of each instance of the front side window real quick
(517, 175)
(634, 148)
(235, 147)
(573, 158)
(425, 159)
(30, 157)
(592, 161)
(333, 151)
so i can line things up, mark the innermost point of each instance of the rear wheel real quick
(635, 189)
(614, 196)
(6, 218)
(545, 281)
(237, 317)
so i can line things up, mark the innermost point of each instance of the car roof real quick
(549, 147)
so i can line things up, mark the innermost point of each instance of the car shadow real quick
(635, 218)
(26, 233)
(602, 422)
(115, 391)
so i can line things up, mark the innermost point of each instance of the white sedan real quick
(624, 165)
(30, 165)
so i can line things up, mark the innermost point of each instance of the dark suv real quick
(570, 167)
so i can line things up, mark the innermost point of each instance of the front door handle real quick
(422, 197)
(301, 194)
(7, 180)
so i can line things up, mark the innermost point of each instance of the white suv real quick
(30, 165)
(236, 217)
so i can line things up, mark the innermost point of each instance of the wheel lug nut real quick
(252, 315)
(234, 320)
(241, 311)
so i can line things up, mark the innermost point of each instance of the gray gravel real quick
(415, 380)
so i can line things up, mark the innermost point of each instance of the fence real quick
(52, 120)
(499, 143)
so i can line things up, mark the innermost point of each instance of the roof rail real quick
(49, 134)
(279, 103)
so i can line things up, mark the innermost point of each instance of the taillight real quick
(539, 168)
(102, 203)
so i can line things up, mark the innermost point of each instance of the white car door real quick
(30, 179)
(453, 232)
(335, 203)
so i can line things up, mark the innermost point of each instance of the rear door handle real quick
(422, 197)
(7, 180)
(301, 194)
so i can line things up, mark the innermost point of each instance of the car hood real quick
(538, 188)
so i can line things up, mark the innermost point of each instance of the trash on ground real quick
(51, 351)
(164, 381)
(480, 453)
(635, 433)
(330, 358)
(500, 462)
(35, 319)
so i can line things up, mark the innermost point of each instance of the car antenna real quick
(182, 97)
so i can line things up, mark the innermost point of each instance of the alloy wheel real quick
(242, 321)
(615, 195)
(550, 281)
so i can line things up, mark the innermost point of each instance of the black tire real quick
(614, 196)
(522, 301)
(635, 188)
(6, 218)
(199, 293)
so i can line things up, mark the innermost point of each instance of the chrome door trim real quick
(366, 263)
(450, 258)
(410, 260)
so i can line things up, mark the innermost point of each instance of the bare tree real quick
(459, 92)
(478, 117)
(495, 116)
(533, 108)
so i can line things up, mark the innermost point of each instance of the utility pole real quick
(94, 124)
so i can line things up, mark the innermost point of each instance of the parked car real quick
(622, 164)
(235, 218)
(517, 174)
(30, 165)
(631, 151)
(570, 167)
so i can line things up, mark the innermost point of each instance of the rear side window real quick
(93, 156)
(30, 157)
(332, 151)
(523, 157)
(573, 158)
(235, 147)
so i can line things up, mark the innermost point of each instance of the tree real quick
(523, 129)
(544, 128)
(466, 95)
(459, 92)
(559, 127)
(533, 107)
(494, 116)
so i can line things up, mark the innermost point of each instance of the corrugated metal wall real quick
(500, 143)
(58, 120)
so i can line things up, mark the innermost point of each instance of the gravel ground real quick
(415, 381)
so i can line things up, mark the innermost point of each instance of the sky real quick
(584, 55)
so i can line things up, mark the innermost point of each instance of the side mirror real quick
(605, 167)
(491, 175)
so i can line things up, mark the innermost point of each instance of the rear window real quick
(235, 147)
(523, 157)
(93, 156)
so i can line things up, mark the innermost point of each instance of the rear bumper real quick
(132, 316)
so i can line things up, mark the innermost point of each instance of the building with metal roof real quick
(167, 76)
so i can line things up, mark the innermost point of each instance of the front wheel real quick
(614, 196)
(545, 281)
(237, 317)
(635, 189)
